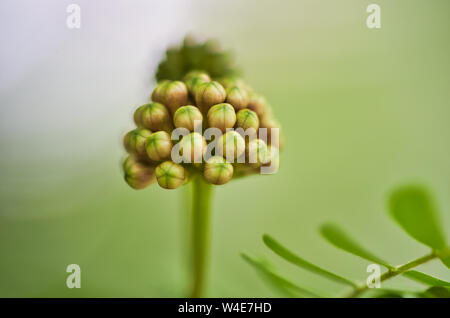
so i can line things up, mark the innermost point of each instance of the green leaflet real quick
(413, 209)
(282, 284)
(446, 261)
(437, 292)
(426, 279)
(390, 293)
(294, 259)
(336, 236)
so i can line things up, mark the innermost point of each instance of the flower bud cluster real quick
(195, 105)
(196, 55)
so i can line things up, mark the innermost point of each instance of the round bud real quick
(257, 152)
(218, 171)
(189, 40)
(258, 104)
(208, 94)
(237, 97)
(273, 162)
(188, 117)
(212, 46)
(229, 82)
(155, 116)
(157, 95)
(137, 174)
(221, 116)
(246, 118)
(230, 145)
(193, 147)
(159, 146)
(193, 83)
(174, 95)
(134, 141)
(170, 175)
(197, 74)
(137, 116)
(269, 123)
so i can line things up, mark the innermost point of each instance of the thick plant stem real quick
(394, 272)
(201, 219)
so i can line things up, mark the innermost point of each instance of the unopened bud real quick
(155, 117)
(209, 94)
(157, 94)
(268, 122)
(237, 97)
(230, 82)
(273, 163)
(192, 84)
(246, 118)
(137, 174)
(134, 141)
(218, 170)
(221, 116)
(174, 95)
(137, 116)
(159, 146)
(257, 152)
(193, 147)
(231, 145)
(188, 117)
(199, 75)
(258, 104)
(170, 175)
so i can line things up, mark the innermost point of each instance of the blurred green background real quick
(363, 110)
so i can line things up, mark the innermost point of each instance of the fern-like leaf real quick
(297, 260)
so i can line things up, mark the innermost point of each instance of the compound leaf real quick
(426, 279)
(297, 260)
(277, 281)
(336, 236)
(413, 208)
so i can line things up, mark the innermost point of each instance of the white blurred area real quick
(70, 93)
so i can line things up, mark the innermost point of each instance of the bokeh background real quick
(363, 110)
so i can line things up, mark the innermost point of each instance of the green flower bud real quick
(257, 153)
(197, 74)
(218, 171)
(237, 97)
(193, 147)
(159, 146)
(189, 40)
(137, 116)
(187, 117)
(174, 95)
(268, 122)
(231, 145)
(157, 95)
(137, 174)
(212, 46)
(246, 118)
(221, 116)
(258, 104)
(155, 117)
(230, 82)
(192, 84)
(170, 175)
(209, 94)
(134, 141)
(273, 161)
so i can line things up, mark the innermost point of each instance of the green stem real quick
(395, 272)
(201, 214)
